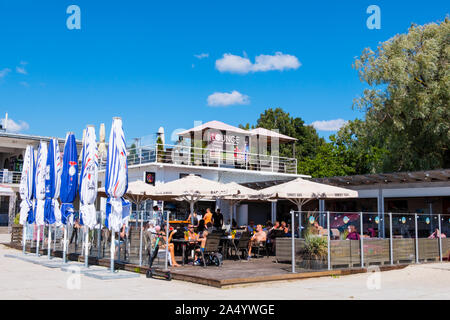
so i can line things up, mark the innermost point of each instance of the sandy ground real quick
(23, 280)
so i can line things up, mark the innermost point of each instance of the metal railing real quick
(207, 157)
(325, 240)
(10, 177)
(332, 240)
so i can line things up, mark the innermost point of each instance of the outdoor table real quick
(184, 244)
(228, 240)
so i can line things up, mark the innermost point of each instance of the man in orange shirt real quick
(208, 216)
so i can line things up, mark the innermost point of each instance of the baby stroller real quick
(210, 254)
(160, 254)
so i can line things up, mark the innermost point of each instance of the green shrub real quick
(17, 219)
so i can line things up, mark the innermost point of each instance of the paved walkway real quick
(24, 280)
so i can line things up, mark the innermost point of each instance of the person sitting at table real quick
(201, 226)
(227, 226)
(163, 241)
(371, 232)
(194, 218)
(234, 224)
(268, 227)
(191, 235)
(436, 234)
(284, 227)
(209, 227)
(202, 235)
(251, 226)
(352, 233)
(316, 229)
(277, 225)
(256, 239)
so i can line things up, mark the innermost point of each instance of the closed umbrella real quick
(26, 191)
(116, 183)
(89, 178)
(69, 184)
(52, 213)
(40, 175)
(102, 150)
(137, 192)
(88, 185)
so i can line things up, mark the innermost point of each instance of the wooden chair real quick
(261, 245)
(242, 244)
(211, 246)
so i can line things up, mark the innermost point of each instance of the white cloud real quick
(21, 70)
(4, 72)
(201, 55)
(236, 64)
(329, 125)
(222, 99)
(13, 126)
(233, 64)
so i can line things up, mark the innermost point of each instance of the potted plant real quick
(314, 252)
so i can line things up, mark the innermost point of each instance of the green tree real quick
(308, 139)
(406, 105)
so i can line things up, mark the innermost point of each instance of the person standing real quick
(194, 218)
(208, 216)
(217, 220)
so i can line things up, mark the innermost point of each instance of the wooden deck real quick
(231, 272)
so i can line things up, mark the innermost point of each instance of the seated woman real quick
(163, 243)
(352, 233)
(437, 234)
(316, 229)
(284, 227)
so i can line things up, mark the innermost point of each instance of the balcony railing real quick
(10, 177)
(204, 157)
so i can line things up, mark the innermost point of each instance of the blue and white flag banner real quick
(41, 173)
(52, 213)
(26, 186)
(69, 179)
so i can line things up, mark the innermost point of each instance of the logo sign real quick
(228, 139)
(311, 219)
(346, 219)
(377, 220)
(150, 178)
(427, 220)
(403, 220)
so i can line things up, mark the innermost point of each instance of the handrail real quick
(196, 156)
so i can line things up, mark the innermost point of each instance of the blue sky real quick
(137, 60)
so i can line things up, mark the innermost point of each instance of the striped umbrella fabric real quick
(116, 179)
(41, 174)
(69, 179)
(89, 178)
(26, 187)
(52, 212)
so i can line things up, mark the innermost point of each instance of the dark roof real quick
(386, 178)
(264, 184)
